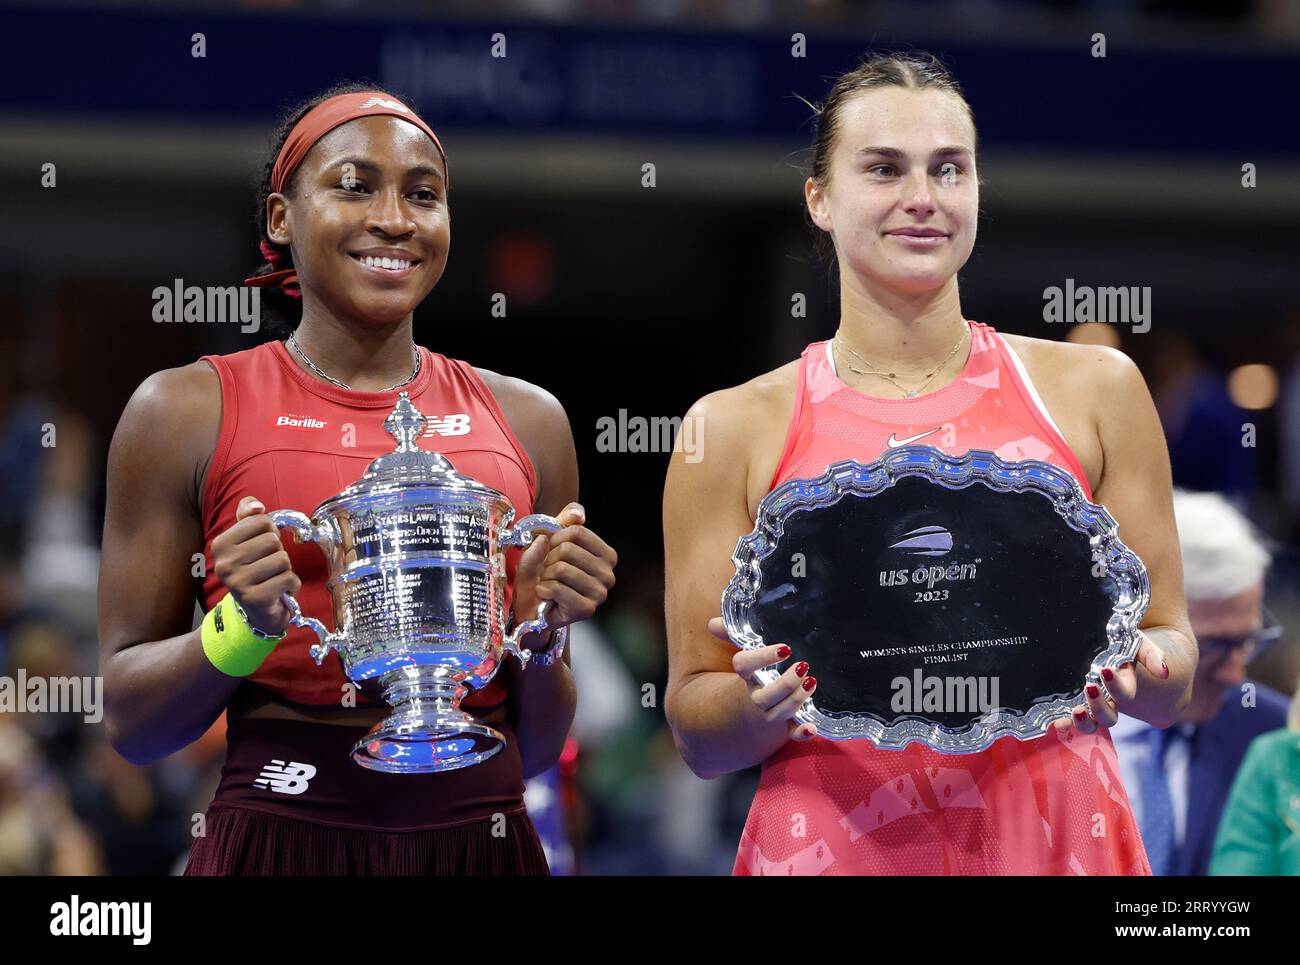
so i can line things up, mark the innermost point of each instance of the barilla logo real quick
(299, 422)
(926, 541)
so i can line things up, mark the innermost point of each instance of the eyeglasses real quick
(1252, 644)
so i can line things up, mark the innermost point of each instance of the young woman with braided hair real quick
(355, 226)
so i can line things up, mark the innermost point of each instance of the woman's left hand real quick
(1126, 691)
(572, 567)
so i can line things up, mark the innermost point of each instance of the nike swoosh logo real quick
(895, 443)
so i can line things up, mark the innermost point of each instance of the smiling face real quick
(393, 205)
(901, 194)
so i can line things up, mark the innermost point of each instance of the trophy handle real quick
(521, 534)
(537, 625)
(305, 531)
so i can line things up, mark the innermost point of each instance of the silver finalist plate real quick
(946, 600)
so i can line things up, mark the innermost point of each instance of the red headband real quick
(315, 124)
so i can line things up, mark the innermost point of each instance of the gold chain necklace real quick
(890, 377)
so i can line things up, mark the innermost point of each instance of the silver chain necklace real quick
(292, 342)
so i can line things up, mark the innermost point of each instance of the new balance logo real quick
(384, 102)
(894, 443)
(451, 425)
(285, 778)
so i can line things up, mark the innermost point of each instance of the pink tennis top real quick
(1052, 805)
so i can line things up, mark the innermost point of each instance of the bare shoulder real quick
(1070, 360)
(522, 401)
(185, 385)
(1097, 376)
(751, 406)
(174, 397)
(530, 409)
(742, 430)
(539, 421)
(171, 423)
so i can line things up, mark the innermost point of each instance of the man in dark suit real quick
(1178, 779)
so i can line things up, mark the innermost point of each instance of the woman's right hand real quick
(252, 562)
(782, 698)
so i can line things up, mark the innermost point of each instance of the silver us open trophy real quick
(417, 578)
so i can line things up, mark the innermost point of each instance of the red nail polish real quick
(1093, 691)
(1164, 666)
(1107, 674)
(1080, 714)
(782, 652)
(801, 668)
(810, 683)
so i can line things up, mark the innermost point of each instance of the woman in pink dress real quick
(894, 185)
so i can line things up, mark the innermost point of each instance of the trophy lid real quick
(408, 465)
